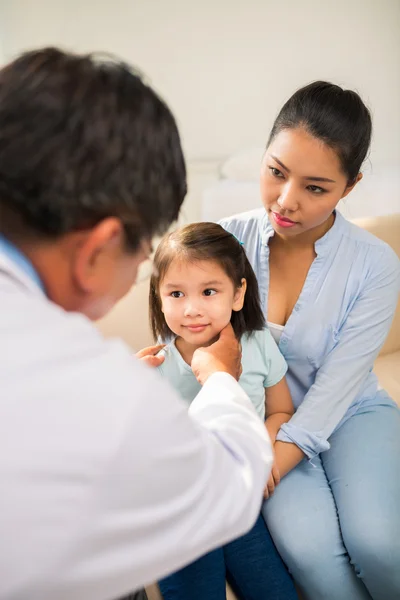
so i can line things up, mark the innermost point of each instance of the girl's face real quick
(301, 182)
(197, 300)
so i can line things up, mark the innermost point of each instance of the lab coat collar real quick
(9, 269)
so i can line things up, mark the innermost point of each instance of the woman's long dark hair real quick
(337, 117)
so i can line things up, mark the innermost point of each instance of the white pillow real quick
(243, 165)
(227, 197)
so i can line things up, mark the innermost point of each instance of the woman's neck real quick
(304, 240)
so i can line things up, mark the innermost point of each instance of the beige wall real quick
(225, 66)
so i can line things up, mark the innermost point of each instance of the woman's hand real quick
(148, 355)
(273, 481)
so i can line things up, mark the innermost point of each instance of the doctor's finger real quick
(150, 351)
(153, 361)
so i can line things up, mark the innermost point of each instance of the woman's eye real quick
(315, 189)
(209, 292)
(276, 172)
(177, 294)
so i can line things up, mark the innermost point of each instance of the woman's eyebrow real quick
(307, 177)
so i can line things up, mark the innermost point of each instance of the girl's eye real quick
(209, 292)
(177, 294)
(315, 189)
(276, 172)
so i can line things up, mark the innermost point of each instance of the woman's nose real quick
(288, 198)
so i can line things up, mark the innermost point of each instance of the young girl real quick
(203, 282)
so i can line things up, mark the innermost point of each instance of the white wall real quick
(226, 66)
(2, 59)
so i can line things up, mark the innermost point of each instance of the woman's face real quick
(301, 182)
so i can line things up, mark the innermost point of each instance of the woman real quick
(329, 290)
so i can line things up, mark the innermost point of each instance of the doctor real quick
(106, 483)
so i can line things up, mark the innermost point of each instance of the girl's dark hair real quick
(206, 241)
(337, 117)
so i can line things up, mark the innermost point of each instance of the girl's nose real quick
(192, 309)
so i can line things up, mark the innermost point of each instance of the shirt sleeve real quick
(276, 364)
(151, 488)
(201, 478)
(346, 367)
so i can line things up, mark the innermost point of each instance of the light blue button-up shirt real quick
(20, 260)
(337, 327)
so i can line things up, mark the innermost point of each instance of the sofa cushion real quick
(387, 369)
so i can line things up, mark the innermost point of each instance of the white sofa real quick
(129, 320)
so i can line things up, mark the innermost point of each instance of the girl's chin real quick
(198, 340)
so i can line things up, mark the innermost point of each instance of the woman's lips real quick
(283, 221)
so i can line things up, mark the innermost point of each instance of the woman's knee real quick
(306, 547)
(374, 550)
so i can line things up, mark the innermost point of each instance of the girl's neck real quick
(187, 350)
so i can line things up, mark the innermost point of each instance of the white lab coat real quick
(106, 483)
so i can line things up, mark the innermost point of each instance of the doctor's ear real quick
(97, 253)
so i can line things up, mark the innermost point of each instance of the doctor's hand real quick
(148, 355)
(224, 355)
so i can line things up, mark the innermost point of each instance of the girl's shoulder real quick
(260, 340)
(260, 354)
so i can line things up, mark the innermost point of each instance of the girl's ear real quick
(240, 293)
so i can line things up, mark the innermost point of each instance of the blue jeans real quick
(251, 564)
(336, 520)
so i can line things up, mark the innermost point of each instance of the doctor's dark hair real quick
(337, 117)
(83, 138)
(211, 242)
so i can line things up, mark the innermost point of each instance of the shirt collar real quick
(18, 258)
(322, 245)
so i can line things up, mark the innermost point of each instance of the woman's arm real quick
(347, 365)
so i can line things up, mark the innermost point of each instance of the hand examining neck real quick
(224, 355)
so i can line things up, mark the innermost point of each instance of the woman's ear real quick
(240, 293)
(352, 185)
